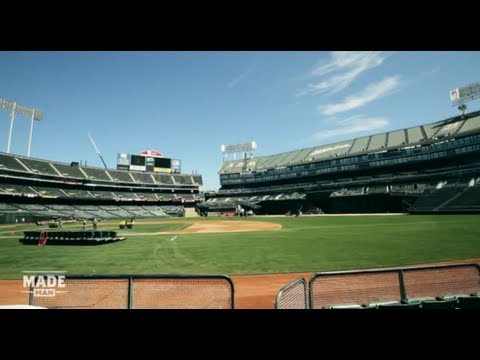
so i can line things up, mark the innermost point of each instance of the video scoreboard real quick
(148, 161)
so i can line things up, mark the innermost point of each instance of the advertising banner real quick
(176, 166)
(162, 170)
(137, 168)
(153, 153)
(123, 159)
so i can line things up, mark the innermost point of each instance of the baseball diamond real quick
(329, 208)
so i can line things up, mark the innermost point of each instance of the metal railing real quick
(293, 295)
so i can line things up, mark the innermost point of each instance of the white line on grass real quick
(374, 225)
(44, 271)
(173, 238)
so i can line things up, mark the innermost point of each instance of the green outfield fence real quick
(139, 292)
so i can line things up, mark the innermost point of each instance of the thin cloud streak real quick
(235, 81)
(371, 93)
(348, 65)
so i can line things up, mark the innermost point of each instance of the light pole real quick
(18, 109)
(461, 96)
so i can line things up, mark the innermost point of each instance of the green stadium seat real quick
(440, 304)
(471, 302)
(452, 297)
(401, 306)
(419, 300)
(344, 306)
(376, 305)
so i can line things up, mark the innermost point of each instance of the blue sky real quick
(187, 104)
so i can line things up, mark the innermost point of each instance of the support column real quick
(12, 117)
(31, 131)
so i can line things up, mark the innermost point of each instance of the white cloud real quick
(422, 76)
(371, 93)
(348, 65)
(353, 125)
(236, 80)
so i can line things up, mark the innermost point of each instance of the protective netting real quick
(435, 282)
(363, 288)
(182, 293)
(167, 292)
(87, 294)
(293, 296)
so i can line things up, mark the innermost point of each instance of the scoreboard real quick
(148, 163)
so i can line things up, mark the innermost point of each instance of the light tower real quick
(14, 108)
(244, 150)
(461, 96)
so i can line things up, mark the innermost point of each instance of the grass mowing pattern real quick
(303, 244)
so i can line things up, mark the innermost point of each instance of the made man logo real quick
(44, 285)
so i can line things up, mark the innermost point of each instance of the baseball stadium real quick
(383, 220)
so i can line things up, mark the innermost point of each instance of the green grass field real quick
(303, 244)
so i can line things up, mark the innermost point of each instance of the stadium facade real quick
(35, 189)
(432, 168)
(429, 168)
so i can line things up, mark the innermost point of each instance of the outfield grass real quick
(303, 244)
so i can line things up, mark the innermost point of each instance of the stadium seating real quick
(11, 189)
(39, 167)
(458, 196)
(391, 172)
(164, 179)
(46, 179)
(385, 141)
(143, 178)
(12, 163)
(99, 174)
(120, 176)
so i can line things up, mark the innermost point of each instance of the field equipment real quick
(54, 223)
(126, 224)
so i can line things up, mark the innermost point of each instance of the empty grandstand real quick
(429, 168)
(33, 189)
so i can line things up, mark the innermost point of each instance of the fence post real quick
(403, 291)
(130, 292)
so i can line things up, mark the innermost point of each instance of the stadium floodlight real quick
(238, 148)
(461, 96)
(14, 108)
(247, 147)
